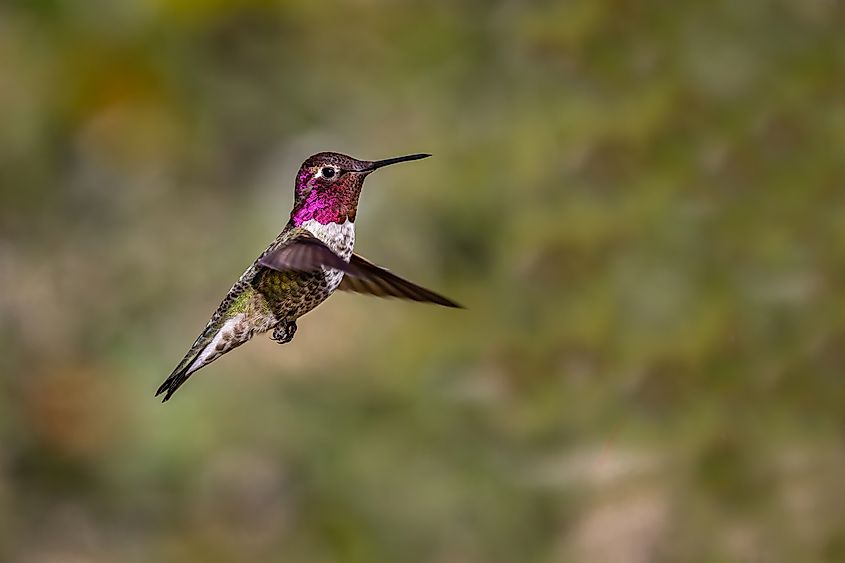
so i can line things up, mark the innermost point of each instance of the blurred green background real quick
(639, 202)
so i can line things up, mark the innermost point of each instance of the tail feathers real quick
(172, 383)
(215, 341)
(209, 346)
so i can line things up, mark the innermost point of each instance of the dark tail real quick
(174, 382)
(200, 355)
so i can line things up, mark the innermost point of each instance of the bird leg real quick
(284, 331)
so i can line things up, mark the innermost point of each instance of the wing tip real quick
(441, 300)
(428, 296)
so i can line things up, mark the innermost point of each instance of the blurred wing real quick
(304, 253)
(365, 277)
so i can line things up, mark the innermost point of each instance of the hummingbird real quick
(310, 259)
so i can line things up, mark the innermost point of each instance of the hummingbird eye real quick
(327, 172)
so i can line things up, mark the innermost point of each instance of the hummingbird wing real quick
(307, 253)
(304, 253)
(363, 276)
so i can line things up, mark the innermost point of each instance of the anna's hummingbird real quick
(308, 261)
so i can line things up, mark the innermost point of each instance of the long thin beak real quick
(376, 164)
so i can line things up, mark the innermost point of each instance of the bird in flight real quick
(310, 259)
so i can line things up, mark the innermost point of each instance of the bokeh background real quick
(640, 203)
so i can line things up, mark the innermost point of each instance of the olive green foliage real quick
(640, 204)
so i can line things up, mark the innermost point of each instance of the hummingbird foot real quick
(284, 331)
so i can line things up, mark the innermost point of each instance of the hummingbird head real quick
(328, 185)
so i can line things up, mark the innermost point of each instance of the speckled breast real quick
(301, 292)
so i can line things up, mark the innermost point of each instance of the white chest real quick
(340, 237)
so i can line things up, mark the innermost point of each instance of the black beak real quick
(376, 164)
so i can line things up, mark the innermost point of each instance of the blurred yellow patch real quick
(199, 11)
